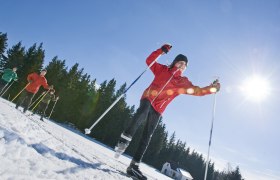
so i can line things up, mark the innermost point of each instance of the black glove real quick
(216, 85)
(166, 48)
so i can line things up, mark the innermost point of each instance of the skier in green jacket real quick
(8, 76)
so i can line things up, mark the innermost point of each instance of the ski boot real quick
(122, 144)
(134, 172)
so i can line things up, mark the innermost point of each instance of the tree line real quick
(82, 102)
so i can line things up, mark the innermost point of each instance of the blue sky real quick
(225, 38)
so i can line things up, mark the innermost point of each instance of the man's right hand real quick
(166, 48)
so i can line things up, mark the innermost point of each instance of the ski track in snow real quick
(32, 149)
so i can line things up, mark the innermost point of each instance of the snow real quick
(33, 149)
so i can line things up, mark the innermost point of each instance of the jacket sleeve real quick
(30, 77)
(196, 90)
(156, 67)
(44, 83)
(15, 76)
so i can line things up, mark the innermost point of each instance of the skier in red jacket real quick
(167, 84)
(35, 82)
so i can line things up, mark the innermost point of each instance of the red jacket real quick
(36, 82)
(178, 85)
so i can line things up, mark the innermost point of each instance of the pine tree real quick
(3, 46)
(105, 100)
(56, 75)
(15, 57)
(70, 95)
(89, 106)
(34, 59)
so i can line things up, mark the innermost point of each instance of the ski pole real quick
(88, 130)
(52, 109)
(212, 124)
(6, 88)
(20, 92)
(40, 100)
(36, 99)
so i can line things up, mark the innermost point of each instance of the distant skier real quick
(35, 82)
(44, 104)
(167, 84)
(7, 77)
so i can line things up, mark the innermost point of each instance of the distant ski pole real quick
(88, 130)
(36, 99)
(3, 88)
(20, 92)
(52, 109)
(212, 124)
(40, 100)
(4, 91)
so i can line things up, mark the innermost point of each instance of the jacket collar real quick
(176, 72)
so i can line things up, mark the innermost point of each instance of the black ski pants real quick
(25, 100)
(144, 113)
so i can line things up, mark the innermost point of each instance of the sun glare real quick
(255, 88)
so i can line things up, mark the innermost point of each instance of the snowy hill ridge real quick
(32, 149)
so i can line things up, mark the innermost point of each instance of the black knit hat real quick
(44, 70)
(178, 58)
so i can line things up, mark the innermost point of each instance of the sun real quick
(255, 88)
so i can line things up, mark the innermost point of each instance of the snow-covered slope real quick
(32, 149)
